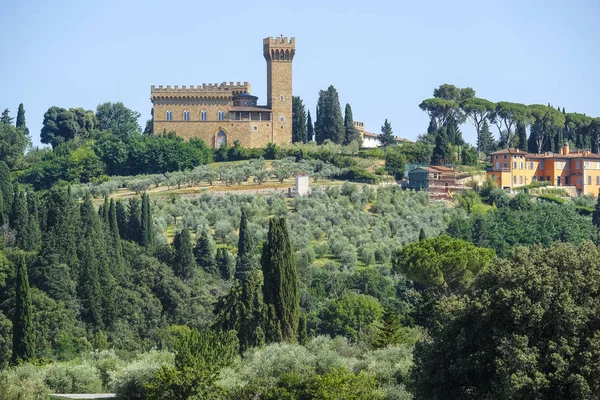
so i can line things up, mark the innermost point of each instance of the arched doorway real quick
(221, 139)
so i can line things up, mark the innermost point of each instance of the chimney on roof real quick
(566, 149)
(561, 151)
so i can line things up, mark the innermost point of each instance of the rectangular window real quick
(521, 180)
(577, 164)
(534, 178)
(579, 181)
(514, 179)
(497, 164)
(521, 165)
(531, 165)
(541, 165)
(505, 165)
(548, 178)
(514, 165)
(541, 179)
(589, 180)
(505, 156)
(598, 180)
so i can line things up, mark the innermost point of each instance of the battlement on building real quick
(359, 125)
(204, 88)
(280, 41)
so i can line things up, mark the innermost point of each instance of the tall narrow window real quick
(169, 115)
(186, 115)
(221, 115)
(281, 98)
(203, 115)
(221, 139)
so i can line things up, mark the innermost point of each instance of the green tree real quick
(115, 248)
(61, 125)
(352, 133)
(478, 111)
(506, 117)
(521, 139)
(224, 263)
(422, 235)
(206, 252)
(149, 128)
(13, 142)
(199, 358)
(5, 341)
(118, 119)
(6, 187)
(21, 120)
(525, 330)
(442, 152)
(242, 309)
(184, 263)
(281, 287)
(310, 131)
(6, 119)
(134, 224)
(147, 222)
(442, 263)
(387, 138)
(19, 218)
(122, 219)
(486, 143)
(23, 349)
(3, 216)
(329, 123)
(33, 238)
(390, 332)
(395, 160)
(353, 315)
(298, 120)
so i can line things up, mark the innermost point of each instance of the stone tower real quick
(279, 53)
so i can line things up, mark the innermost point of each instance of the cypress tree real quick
(61, 222)
(453, 133)
(442, 152)
(206, 252)
(20, 123)
(96, 282)
(351, 132)
(23, 332)
(6, 187)
(387, 138)
(115, 239)
(329, 124)
(245, 257)
(302, 333)
(487, 143)
(134, 225)
(224, 263)
(281, 287)
(104, 210)
(122, 220)
(6, 118)
(19, 218)
(3, 218)
(422, 235)
(33, 238)
(522, 136)
(146, 225)
(298, 120)
(184, 261)
(242, 309)
(432, 129)
(310, 130)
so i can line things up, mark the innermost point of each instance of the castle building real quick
(513, 168)
(221, 114)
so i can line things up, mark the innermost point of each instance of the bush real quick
(69, 378)
(129, 383)
(22, 382)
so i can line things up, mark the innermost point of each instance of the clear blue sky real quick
(384, 57)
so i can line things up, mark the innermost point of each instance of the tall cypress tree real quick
(390, 332)
(522, 136)
(3, 217)
(134, 225)
(442, 152)
(33, 237)
(96, 282)
(19, 218)
(115, 246)
(122, 220)
(351, 132)
(185, 265)
(281, 287)
(298, 120)
(146, 224)
(20, 123)
(206, 252)
(224, 263)
(310, 130)
(242, 309)
(6, 187)
(330, 123)
(23, 332)
(387, 138)
(487, 143)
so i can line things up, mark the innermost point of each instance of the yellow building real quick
(512, 168)
(222, 113)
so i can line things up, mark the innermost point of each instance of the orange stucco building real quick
(512, 168)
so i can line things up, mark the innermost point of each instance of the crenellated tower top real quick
(279, 48)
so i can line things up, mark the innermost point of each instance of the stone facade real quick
(223, 113)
